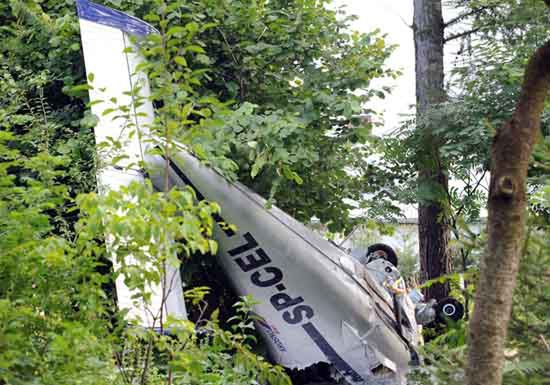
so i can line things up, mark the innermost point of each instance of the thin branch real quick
(261, 34)
(121, 369)
(461, 34)
(463, 16)
(459, 211)
(405, 21)
(544, 342)
(170, 376)
(228, 46)
(143, 380)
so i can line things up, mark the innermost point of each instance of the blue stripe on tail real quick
(112, 18)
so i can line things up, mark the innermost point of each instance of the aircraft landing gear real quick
(381, 250)
(449, 308)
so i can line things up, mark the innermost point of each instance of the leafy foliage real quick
(53, 312)
(293, 74)
(497, 39)
(527, 354)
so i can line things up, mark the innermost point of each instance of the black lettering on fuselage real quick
(282, 301)
(267, 277)
(297, 314)
(276, 275)
(250, 244)
(253, 261)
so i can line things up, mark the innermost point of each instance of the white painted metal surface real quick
(112, 70)
(317, 303)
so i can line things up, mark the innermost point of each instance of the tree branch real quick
(510, 154)
(467, 14)
(462, 34)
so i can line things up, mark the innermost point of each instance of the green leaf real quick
(258, 165)
(108, 111)
(181, 61)
(175, 30)
(195, 48)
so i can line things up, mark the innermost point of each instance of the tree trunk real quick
(433, 230)
(510, 154)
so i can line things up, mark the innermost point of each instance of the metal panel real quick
(313, 307)
(112, 70)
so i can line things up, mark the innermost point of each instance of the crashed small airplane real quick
(317, 303)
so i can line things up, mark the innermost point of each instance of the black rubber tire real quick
(391, 256)
(449, 308)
